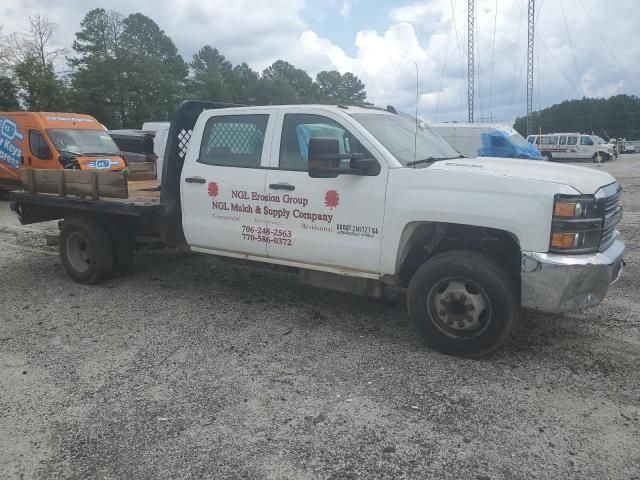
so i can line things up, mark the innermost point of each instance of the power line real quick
(455, 29)
(444, 64)
(493, 53)
(471, 13)
(531, 15)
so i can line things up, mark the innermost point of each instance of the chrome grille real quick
(611, 211)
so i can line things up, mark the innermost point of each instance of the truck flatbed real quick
(143, 200)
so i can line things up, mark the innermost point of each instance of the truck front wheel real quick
(464, 303)
(86, 250)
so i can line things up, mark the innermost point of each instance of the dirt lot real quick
(195, 368)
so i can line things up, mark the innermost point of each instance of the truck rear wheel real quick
(464, 304)
(86, 250)
(547, 156)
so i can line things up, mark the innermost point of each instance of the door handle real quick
(281, 186)
(195, 180)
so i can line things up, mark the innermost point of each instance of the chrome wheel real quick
(460, 308)
(79, 252)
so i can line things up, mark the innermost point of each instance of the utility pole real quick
(530, 37)
(471, 18)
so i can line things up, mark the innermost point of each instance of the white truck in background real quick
(467, 138)
(161, 131)
(355, 201)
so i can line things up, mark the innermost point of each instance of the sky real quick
(583, 47)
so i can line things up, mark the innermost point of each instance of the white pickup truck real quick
(356, 201)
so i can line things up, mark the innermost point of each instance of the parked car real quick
(136, 147)
(486, 140)
(573, 146)
(53, 140)
(356, 201)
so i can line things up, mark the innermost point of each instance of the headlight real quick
(576, 226)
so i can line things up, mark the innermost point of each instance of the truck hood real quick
(584, 180)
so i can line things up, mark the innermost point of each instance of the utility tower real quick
(471, 18)
(530, 37)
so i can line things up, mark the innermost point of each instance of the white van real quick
(573, 146)
(161, 130)
(486, 139)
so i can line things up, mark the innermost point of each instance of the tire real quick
(547, 156)
(86, 250)
(447, 290)
(598, 158)
(123, 245)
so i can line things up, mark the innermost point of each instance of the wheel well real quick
(426, 240)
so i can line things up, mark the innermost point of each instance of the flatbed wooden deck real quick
(143, 191)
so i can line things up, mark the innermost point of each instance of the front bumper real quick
(562, 283)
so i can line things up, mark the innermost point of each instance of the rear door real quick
(323, 221)
(12, 149)
(223, 182)
(572, 147)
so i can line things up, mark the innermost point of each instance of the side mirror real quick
(324, 157)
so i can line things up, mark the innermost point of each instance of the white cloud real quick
(422, 32)
(345, 11)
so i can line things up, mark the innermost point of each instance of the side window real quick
(572, 140)
(38, 145)
(549, 140)
(297, 129)
(586, 141)
(563, 140)
(233, 141)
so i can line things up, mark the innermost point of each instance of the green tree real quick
(8, 95)
(40, 89)
(30, 57)
(98, 83)
(288, 83)
(127, 70)
(615, 117)
(156, 73)
(212, 75)
(337, 88)
(245, 84)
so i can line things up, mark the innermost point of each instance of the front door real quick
(323, 221)
(222, 184)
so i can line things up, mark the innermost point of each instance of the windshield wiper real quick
(429, 160)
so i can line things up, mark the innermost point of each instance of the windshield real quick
(599, 140)
(83, 142)
(397, 134)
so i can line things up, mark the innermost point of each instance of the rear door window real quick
(234, 140)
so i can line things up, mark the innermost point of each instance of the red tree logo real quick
(332, 199)
(213, 189)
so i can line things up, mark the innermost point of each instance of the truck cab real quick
(53, 140)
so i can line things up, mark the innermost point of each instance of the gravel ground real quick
(192, 367)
